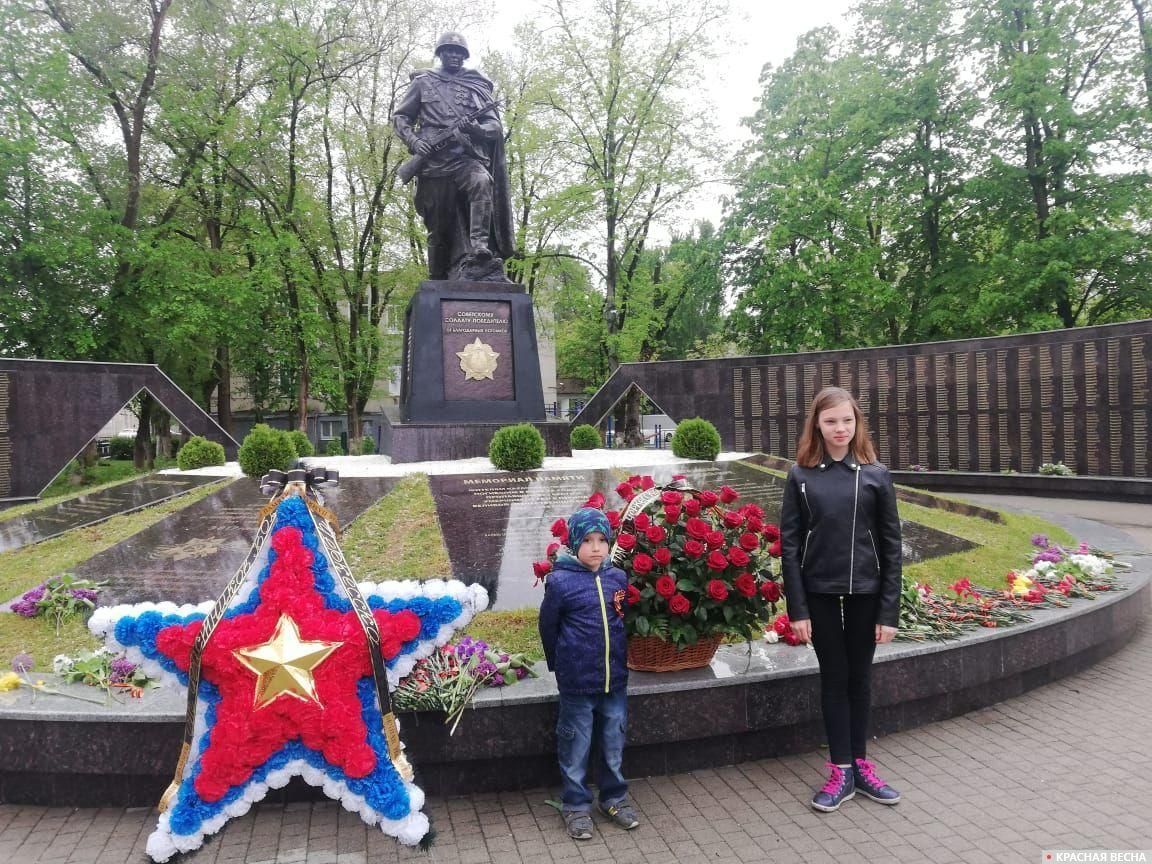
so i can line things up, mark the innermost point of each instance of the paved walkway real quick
(1066, 766)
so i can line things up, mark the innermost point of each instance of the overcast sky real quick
(759, 32)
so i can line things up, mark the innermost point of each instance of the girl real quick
(840, 534)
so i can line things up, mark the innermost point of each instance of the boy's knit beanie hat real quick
(583, 522)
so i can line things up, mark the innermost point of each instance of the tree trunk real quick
(143, 456)
(224, 388)
(162, 426)
(1145, 46)
(89, 456)
(633, 432)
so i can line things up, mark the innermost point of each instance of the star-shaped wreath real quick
(286, 685)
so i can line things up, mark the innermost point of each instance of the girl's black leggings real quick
(844, 636)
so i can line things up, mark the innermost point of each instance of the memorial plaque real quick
(190, 556)
(5, 443)
(496, 525)
(478, 361)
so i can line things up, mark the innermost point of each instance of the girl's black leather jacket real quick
(840, 534)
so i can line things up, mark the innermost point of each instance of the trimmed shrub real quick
(517, 448)
(301, 443)
(264, 449)
(585, 437)
(367, 445)
(696, 439)
(199, 452)
(334, 448)
(120, 447)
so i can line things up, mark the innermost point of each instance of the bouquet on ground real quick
(698, 565)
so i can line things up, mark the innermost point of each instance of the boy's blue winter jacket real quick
(582, 627)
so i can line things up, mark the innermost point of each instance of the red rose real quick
(771, 533)
(697, 529)
(753, 523)
(642, 521)
(752, 510)
(541, 568)
(553, 548)
(770, 591)
(627, 542)
(728, 494)
(791, 638)
(738, 556)
(624, 490)
(749, 542)
(634, 481)
(633, 595)
(693, 549)
(714, 539)
(613, 519)
(717, 561)
(642, 564)
(671, 513)
(692, 507)
(708, 499)
(647, 482)
(665, 586)
(678, 605)
(782, 625)
(560, 529)
(746, 584)
(776, 549)
(717, 590)
(596, 502)
(663, 556)
(733, 519)
(670, 496)
(656, 534)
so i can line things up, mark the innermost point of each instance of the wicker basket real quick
(652, 654)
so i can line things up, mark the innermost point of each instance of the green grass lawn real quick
(102, 475)
(398, 537)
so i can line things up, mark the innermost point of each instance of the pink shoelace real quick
(835, 781)
(868, 772)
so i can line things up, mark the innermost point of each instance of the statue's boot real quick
(479, 229)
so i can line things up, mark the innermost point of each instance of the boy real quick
(582, 628)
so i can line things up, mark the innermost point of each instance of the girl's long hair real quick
(810, 450)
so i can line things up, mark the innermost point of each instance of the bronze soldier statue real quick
(451, 124)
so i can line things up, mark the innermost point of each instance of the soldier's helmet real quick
(452, 38)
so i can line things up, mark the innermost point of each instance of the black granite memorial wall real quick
(1082, 396)
(51, 409)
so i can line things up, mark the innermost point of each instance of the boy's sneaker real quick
(622, 814)
(579, 825)
(864, 775)
(839, 788)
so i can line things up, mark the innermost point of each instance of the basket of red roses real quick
(699, 570)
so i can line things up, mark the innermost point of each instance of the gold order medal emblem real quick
(477, 361)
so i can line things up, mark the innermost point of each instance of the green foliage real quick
(199, 452)
(301, 444)
(120, 447)
(696, 439)
(265, 449)
(517, 448)
(367, 445)
(334, 447)
(585, 437)
(1056, 469)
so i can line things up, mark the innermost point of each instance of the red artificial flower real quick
(753, 522)
(717, 561)
(745, 583)
(708, 499)
(665, 586)
(676, 477)
(541, 568)
(671, 513)
(717, 590)
(627, 542)
(692, 507)
(634, 482)
(656, 534)
(770, 591)
(596, 502)
(560, 529)
(733, 519)
(678, 605)
(663, 556)
(776, 549)
(671, 496)
(728, 494)
(613, 519)
(625, 491)
(749, 542)
(642, 564)
(693, 549)
(771, 532)
(738, 557)
(714, 539)
(633, 595)
(646, 482)
(697, 528)
(552, 549)
(641, 521)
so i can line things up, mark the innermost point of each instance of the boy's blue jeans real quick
(602, 717)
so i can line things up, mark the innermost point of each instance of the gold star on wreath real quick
(284, 664)
(477, 361)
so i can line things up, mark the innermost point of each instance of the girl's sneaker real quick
(864, 774)
(839, 788)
